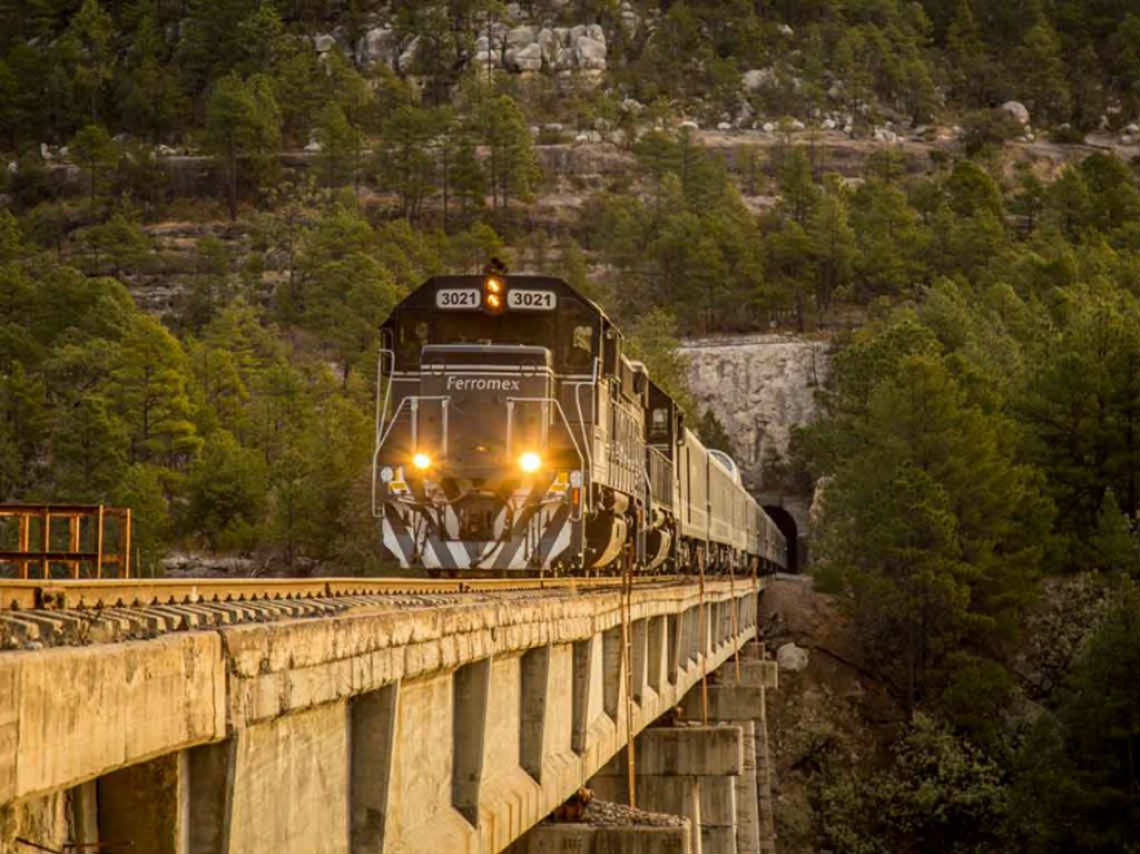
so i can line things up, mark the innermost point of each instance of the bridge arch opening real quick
(787, 525)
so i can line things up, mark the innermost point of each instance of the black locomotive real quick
(514, 437)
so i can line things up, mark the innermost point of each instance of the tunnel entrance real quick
(787, 525)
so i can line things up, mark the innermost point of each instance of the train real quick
(515, 436)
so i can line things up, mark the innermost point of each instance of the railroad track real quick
(68, 594)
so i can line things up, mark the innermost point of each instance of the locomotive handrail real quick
(665, 463)
(413, 407)
(565, 423)
(382, 408)
(588, 474)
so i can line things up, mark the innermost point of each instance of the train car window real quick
(581, 347)
(612, 350)
(577, 323)
(412, 333)
(659, 425)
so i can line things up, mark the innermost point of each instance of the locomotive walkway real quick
(411, 720)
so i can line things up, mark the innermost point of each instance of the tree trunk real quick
(231, 157)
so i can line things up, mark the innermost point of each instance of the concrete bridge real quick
(398, 723)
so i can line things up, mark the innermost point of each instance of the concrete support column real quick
(747, 798)
(743, 704)
(144, 807)
(767, 814)
(686, 771)
(372, 724)
(211, 782)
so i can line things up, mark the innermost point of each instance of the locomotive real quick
(514, 436)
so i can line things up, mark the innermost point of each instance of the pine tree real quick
(832, 245)
(242, 123)
(1114, 542)
(512, 167)
(93, 148)
(150, 394)
(91, 31)
(468, 180)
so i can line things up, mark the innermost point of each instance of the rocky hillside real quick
(759, 387)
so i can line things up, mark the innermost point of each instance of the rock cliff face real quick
(759, 387)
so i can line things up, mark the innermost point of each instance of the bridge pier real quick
(743, 703)
(685, 771)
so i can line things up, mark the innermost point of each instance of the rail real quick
(51, 594)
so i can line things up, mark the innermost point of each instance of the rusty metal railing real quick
(65, 541)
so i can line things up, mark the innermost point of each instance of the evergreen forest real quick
(207, 207)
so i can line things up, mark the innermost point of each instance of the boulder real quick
(724, 126)
(520, 37)
(1017, 110)
(527, 58)
(377, 45)
(408, 55)
(828, 124)
(484, 58)
(313, 147)
(757, 78)
(688, 125)
(629, 17)
(551, 48)
(818, 498)
(590, 53)
(791, 657)
(768, 127)
(324, 42)
(631, 105)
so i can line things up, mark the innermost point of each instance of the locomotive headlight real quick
(421, 461)
(530, 462)
(386, 474)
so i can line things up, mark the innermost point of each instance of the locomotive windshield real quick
(571, 331)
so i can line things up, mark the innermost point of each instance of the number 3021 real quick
(531, 300)
(457, 298)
